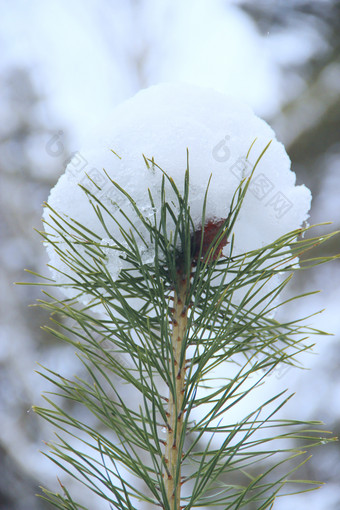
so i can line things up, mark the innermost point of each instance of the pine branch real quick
(164, 328)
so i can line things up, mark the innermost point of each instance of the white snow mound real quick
(163, 122)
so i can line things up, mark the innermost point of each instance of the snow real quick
(163, 122)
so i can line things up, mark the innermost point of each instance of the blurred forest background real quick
(64, 65)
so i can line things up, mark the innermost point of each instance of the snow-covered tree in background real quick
(172, 235)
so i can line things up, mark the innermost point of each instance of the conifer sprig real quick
(165, 329)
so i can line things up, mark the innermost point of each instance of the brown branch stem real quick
(173, 451)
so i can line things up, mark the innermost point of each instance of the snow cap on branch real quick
(224, 140)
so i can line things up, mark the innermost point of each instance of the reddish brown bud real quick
(211, 229)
